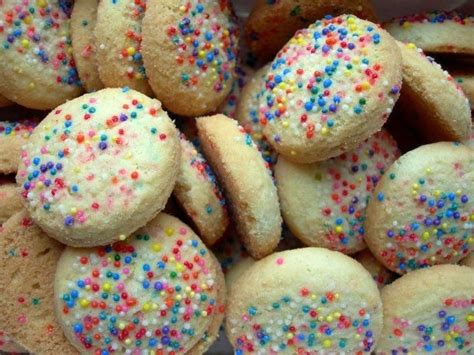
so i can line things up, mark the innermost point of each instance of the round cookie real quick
(198, 192)
(190, 53)
(246, 180)
(118, 39)
(422, 210)
(465, 79)
(10, 201)
(272, 23)
(159, 290)
(468, 261)
(247, 114)
(428, 97)
(13, 135)
(380, 274)
(229, 106)
(324, 203)
(83, 20)
(4, 102)
(28, 259)
(329, 88)
(99, 167)
(309, 300)
(429, 311)
(436, 32)
(36, 65)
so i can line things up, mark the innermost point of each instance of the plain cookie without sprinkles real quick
(99, 167)
(329, 88)
(191, 58)
(36, 65)
(158, 291)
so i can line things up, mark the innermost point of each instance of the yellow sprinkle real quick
(84, 303)
(131, 51)
(428, 170)
(77, 169)
(411, 46)
(128, 341)
(406, 24)
(178, 298)
(327, 343)
(470, 318)
(285, 124)
(458, 192)
(426, 235)
(122, 237)
(329, 319)
(324, 130)
(437, 193)
(182, 9)
(338, 229)
(169, 231)
(25, 43)
(106, 287)
(313, 296)
(351, 20)
(290, 335)
(179, 267)
(121, 325)
(42, 3)
(73, 210)
(156, 247)
(146, 307)
(204, 313)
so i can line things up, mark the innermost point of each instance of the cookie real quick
(13, 135)
(246, 180)
(428, 96)
(28, 260)
(468, 261)
(197, 190)
(4, 102)
(10, 201)
(309, 300)
(272, 23)
(329, 88)
(36, 65)
(99, 167)
(381, 275)
(190, 52)
(422, 210)
(324, 203)
(247, 113)
(159, 290)
(229, 106)
(83, 20)
(118, 40)
(429, 311)
(465, 79)
(436, 32)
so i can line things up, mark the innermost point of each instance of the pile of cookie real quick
(303, 180)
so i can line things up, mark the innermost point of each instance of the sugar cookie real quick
(83, 20)
(421, 213)
(428, 96)
(436, 32)
(272, 23)
(246, 180)
(324, 203)
(190, 52)
(247, 114)
(381, 275)
(28, 260)
(330, 87)
(10, 201)
(309, 300)
(118, 39)
(160, 290)
(13, 135)
(99, 167)
(197, 190)
(36, 65)
(429, 311)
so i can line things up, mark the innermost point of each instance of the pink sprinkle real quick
(183, 231)
(279, 261)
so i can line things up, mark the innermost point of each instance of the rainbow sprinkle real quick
(22, 128)
(205, 39)
(37, 31)
(449, 330)
(146, 294)
(306, 323)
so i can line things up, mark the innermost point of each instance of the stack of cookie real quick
(312, 183)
